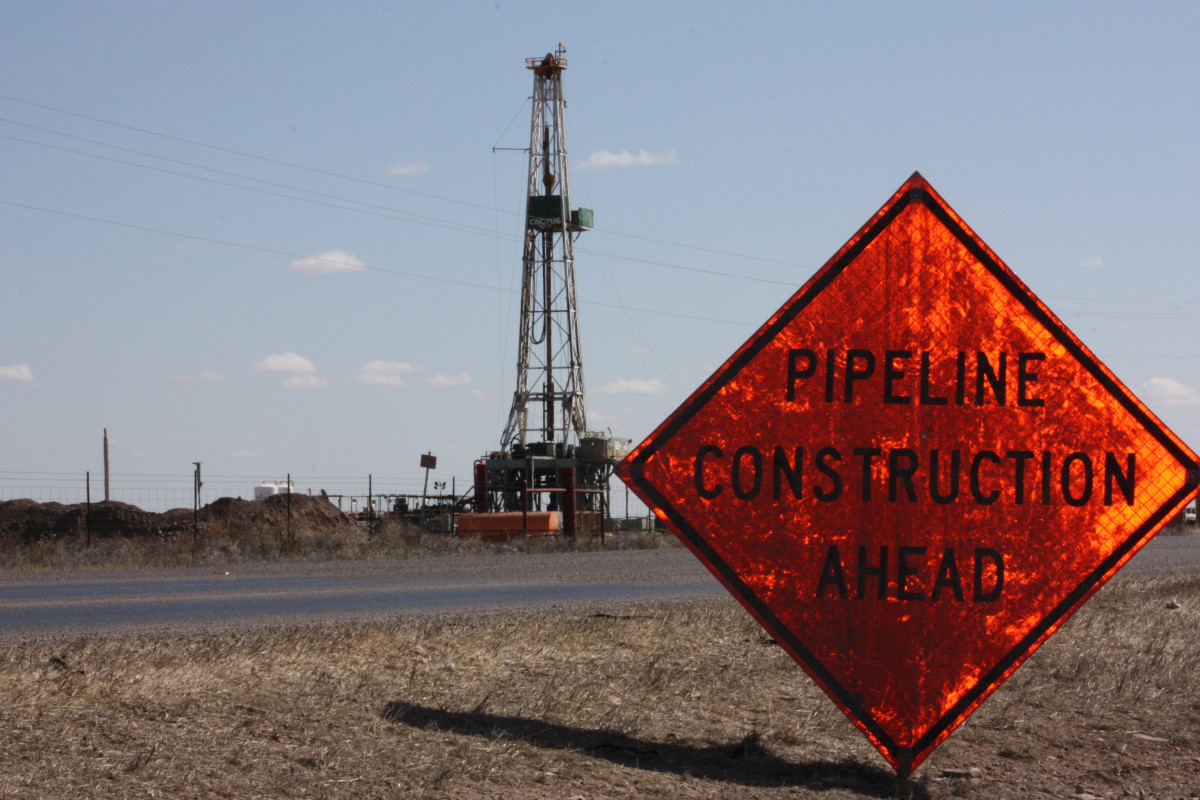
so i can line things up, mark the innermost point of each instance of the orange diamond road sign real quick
(912, 474)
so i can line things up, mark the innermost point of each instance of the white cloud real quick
(303, 372)
(1170, 392)
(598, 418)
(327, 263)
(17, 372)
(384, 373)
(633, 386)
(1092, 262)
(200, 377)
(408, 168)
(603, 159)
(285, 364)
(449, 381)
(306, 382)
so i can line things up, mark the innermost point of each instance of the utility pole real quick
(106, 498)
(196, 484)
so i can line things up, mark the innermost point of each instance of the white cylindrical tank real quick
(268, 488)
(265, 490)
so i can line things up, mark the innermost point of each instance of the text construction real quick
(941, 473)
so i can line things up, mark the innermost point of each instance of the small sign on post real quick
(912, 474)
(428, 462)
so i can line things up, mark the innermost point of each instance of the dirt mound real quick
(26, 521)
(310, 516)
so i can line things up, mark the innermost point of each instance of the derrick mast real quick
(548, 404)
(547, 457)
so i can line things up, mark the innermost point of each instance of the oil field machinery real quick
(548, 459)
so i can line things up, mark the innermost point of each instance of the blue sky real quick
(276, 237)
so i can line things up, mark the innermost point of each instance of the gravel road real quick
(42, 604)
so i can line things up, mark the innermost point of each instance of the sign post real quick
(428, 462)
(912, 474)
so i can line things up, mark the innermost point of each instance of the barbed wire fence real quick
(367, 497)
(160, 492)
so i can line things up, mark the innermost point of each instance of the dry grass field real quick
(49, 537)
(682, 701)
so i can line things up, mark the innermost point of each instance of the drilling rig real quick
(548, 459)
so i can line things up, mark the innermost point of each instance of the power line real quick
(251, 247)
(341, 176)
(1128, 314)
(710, 250)
(416, 218)
(699, 270)
(290, 254)
(327, 173)
(231, 151)
(1121, 300)
(404, 216)
(392, 213)
(470, 284)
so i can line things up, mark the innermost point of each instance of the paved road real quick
(57, 604)
(60, 604)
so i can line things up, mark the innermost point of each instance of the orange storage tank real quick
(509, 524)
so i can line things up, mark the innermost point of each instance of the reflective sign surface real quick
(912, 474)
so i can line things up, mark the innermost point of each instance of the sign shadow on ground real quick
(745, 762)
